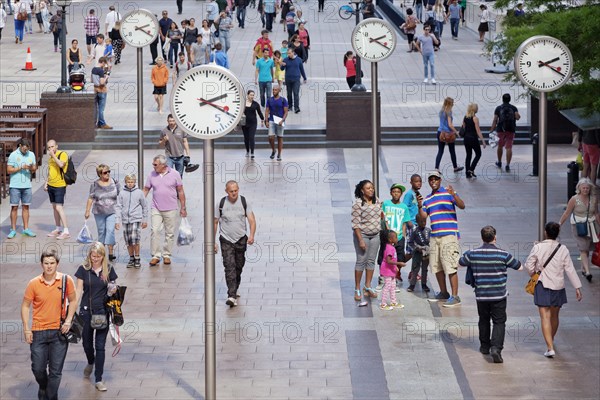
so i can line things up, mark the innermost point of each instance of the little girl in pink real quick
(389, 267)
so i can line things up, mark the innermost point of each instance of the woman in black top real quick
(249, 128)
(95, 283)
(471, 139)
(298, 47)
(74, 55)
(189, 36)
(117, 41)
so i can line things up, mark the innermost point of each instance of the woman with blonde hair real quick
(472, 138)
(583, 208)
(103, 196)
(446, 126)
(95, 282)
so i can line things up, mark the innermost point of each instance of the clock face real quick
(207, 101)
(543, 63)
(374, 39)
(139, 28)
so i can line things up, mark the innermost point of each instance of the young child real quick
(410, 199)
(389, 268)
(284, 49)
(419, 241)
(133, 215)
(109, 52)
(279, 74)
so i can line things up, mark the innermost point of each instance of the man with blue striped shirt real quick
(489, 265)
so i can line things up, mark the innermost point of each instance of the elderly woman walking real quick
(104, 193)
(366, 224)
(582, 210)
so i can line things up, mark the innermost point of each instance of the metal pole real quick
(63, 55)
(543, 159)
(375, 144)
(210, 377)
(140, 113)
(358, 86)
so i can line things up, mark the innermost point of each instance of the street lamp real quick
(358, 86)
(63, 51)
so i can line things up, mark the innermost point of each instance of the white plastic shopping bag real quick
(186, 235)
(85, 235)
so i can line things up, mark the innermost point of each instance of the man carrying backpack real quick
(232, 212)
(505, 123)
(56, 186)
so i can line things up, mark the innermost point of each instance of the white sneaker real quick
(231, 302)
(54, 233)
(379, 287)
(425, 80)
(433, 81)
(101, 386)
(63, 236)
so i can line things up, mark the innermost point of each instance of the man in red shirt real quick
(45, 334)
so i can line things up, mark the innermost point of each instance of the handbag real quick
(596, 255)
(98, 321)
(22, 15)
(582, 227)
(410, 24)
(76, 330)
(447, 136)
(530, 287)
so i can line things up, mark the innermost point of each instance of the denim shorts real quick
(275, 129)
(57, 194)
(22, 196)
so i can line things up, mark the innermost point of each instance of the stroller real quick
(77, 77)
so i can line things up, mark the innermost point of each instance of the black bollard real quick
(572, 178)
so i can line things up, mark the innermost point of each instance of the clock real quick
(543, 63)
(207, 101)
(374, 39)
(139, 28)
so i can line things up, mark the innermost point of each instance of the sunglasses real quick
(105, 172)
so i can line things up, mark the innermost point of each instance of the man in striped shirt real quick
(489, 265)
(440, 206)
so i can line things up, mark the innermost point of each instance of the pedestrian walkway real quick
(297, 333)
(405, 100)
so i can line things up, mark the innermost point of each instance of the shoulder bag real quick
(530, 287)
(582, 227)
(447, 136)
(22, 15)
(98, 321)
(74, 334)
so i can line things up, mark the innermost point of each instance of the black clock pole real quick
(542, 162)
(210, 357)
(140, 114)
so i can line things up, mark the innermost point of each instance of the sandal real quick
(357, 295)
(369, 292)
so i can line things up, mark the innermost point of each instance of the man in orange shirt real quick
(45, 335)
(160, 78)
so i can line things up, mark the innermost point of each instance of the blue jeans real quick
(10, 7)
(173, 50)
(28, 23)
(428, 59)
(293, 94)
(440, 28)
(270, 17)
(241, 16)
(265, 89)
(454, 22)
(419, 10)
(176, 163)
(19, 27)
(225, 39)
(94, 349)
(100, 104)
(48, 353)
(106, 228)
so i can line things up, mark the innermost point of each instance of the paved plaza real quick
(297, 332)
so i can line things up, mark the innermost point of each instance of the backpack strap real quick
(244, 204)
(62, 173)
(222, 204)
(63, 311)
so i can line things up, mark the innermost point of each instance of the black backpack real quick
(222, 204)
(507, 118)
(70, 176)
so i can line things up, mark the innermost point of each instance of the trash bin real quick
(535, 140)
(572, 178)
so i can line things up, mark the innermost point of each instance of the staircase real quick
(305, 137)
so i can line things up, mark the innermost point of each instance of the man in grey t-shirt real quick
(425, 44)
(231, 212)
(200, 52)
(177, 148)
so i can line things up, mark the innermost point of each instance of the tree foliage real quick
(574, 23)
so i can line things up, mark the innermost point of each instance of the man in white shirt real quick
(97, 50)
(2, 20)
(111, 18)
(28, 24)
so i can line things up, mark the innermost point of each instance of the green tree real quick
(575, 23)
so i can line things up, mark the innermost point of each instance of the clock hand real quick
(378, 42)
(377, 38)
(140, 28)
(224, 109)
(541, 64)
(555, 69)
(211, 100)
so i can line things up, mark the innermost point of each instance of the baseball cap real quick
(437, 174)
(398, 186)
